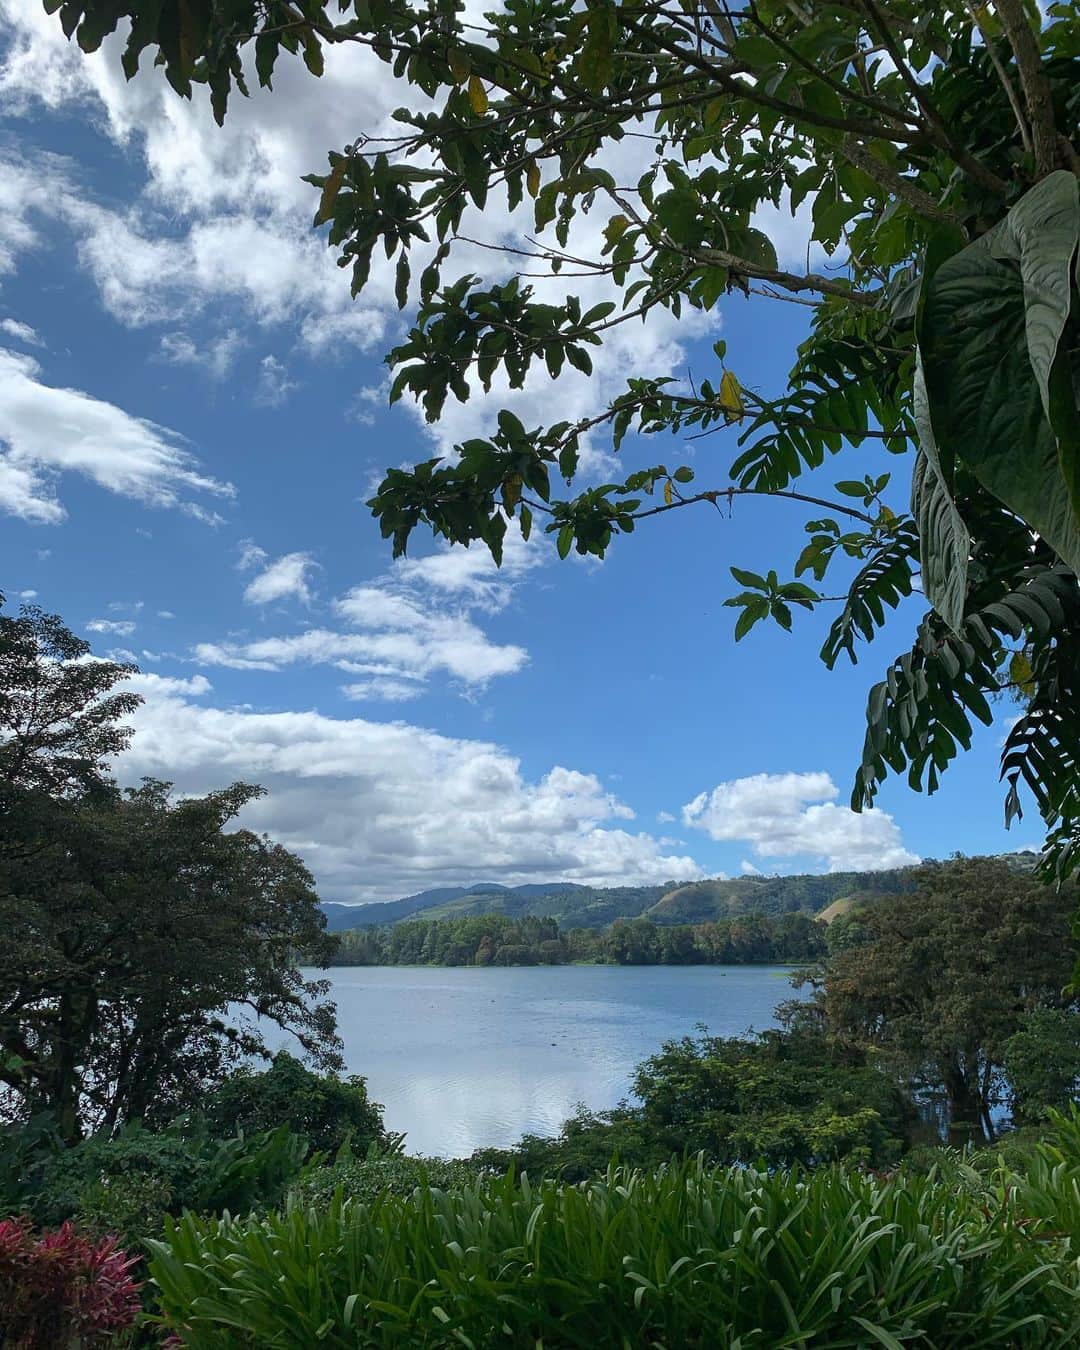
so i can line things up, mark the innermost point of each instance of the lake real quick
(467, 1058)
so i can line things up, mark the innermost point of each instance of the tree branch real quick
(1034, 83)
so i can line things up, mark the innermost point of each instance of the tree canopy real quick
(936, 144)
(940, 983)
(141, 935)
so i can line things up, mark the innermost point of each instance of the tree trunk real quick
(965, 1109)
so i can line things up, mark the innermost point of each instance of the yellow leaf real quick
(532, 178)
(1020, 672)
(477, 96)
(669, 495)
(731, 399)
(460, 66)
(331, 188)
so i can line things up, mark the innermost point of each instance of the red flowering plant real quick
(61, 1289)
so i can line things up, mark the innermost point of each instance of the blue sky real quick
(192, 411)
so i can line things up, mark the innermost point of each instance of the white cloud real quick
(286, 576)
(47, 431)
(382, 689)
(383, 809)
(251, 555)
(215, 355)
(747, 868)
(28, 595)
(22, 332)
(400, 629)
(274, 385)
(664, 817)
(794, 814)
(118, 627)
(165, 614)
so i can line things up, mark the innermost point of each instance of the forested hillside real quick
(593, 907)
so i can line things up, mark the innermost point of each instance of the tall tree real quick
(142, 945)
(137, 930)
(937, 144)
(939, 980)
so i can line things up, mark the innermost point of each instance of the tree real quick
(329, 1111)
(935, 143)
(1042, 1062)
(139, 941)
(939, 981)
(138, 930)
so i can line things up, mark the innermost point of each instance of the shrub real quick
(62, 1289)
(327, 1110)
(685, 1256)
(367, 1178)
(127, 1183)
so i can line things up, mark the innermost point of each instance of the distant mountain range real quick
(577, 906)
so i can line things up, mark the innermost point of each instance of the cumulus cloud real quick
(382, 809)
(786, 815)
(47, 431)
(284, 577)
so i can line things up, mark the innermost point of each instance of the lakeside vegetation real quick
(495, 940)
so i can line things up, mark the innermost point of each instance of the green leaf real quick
(991, 326)
(750, 579)
(944, 541)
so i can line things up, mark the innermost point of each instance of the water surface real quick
(469, 1058)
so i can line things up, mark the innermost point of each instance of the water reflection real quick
(467, 1058)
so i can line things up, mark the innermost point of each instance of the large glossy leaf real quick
(944, 540)
(990, 341)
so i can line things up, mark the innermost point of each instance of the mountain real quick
(484, 893)
(597, 907)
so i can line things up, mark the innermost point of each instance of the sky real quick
(192, 413)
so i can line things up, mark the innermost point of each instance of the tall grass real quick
(686, 1256)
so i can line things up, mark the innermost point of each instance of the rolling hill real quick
(595, 907)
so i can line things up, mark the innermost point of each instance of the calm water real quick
(470, 1058)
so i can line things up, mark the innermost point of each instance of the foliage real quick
(497, 940)
(133, 923)
(60, 716)
(128, 1183)
(327, 1110)
(938, 981)
(62, 1289)
(685, 1255)
(365, 1179)
(138, 936)
(934, 145)
(1042, 1062)
(780, 1098)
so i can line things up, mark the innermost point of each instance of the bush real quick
(128, 1183)
(685, 1256)
(367, 1178)
(327, 1110)
(62, 1289)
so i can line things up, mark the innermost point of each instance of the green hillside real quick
(596, 907)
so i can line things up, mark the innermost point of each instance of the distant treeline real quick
(497, 940)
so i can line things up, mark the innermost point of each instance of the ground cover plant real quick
(680, 1256)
